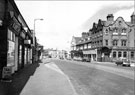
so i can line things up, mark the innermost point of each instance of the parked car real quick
(132, 63)
(123, 62)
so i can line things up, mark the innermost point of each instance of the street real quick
(94, 79)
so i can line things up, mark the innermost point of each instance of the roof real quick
(77, 39)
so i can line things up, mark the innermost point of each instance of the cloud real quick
(104, 11)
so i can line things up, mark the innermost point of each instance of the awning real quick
(90, 52)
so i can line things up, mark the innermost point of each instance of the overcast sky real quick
(64, 19)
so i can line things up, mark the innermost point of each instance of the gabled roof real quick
(77, 39)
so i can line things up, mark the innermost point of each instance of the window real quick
(115, 42)
(124, 30)
(115, 31)
(123, 42)
(106, 42)
(114, 54)
(124, 54)
(106, 31)
(13, 36)
(119, 54)
(9, 34)
(132, 54)
(101, 42)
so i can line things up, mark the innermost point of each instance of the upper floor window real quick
(124, 30)
(11, 35)
(119, 54)
(100, 41)
(124, 54)
(123, 42)
(115, 31)
(114, 54)
(132, 54)
(115, 42)
(106, 42)
(106, 31)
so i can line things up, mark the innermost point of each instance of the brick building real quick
(107, 40)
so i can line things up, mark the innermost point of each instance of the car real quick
(123, 62)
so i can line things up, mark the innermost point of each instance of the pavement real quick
(38, 79)
(48, 79)
(19, 79)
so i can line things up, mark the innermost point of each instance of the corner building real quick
(114, 39)
(107, 40)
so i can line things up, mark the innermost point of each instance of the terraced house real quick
(106, 40)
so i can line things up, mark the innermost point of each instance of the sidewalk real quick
(19, 80)
(48, 79)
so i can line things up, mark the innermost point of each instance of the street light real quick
(34, 30)
(34, 48)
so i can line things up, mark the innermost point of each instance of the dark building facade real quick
(15, 37)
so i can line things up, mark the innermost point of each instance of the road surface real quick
(98, 79)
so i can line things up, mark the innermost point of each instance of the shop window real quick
(11, 53)
(119, 54)
(123, 42)
(132, 54)
(114, 54)
(125, 54)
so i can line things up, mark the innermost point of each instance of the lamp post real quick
(34, 30)
(34, 46)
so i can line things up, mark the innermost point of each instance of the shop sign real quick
(16, 27)
(27, 41)
(90, 52)
(6, 74)
(22, 35)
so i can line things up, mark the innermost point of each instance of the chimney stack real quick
(110, 17)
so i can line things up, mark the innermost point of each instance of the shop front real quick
(28, 50)
(21, 51)
(90, 55)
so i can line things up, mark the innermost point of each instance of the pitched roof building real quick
(108, 40)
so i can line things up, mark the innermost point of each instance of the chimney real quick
(110, 17)
(133, 18)
(84, 34)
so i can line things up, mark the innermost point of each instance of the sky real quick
(64, 19)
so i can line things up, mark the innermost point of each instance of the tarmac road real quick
(93, 79)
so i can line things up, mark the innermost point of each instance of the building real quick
(107, 40)
(15, 38)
